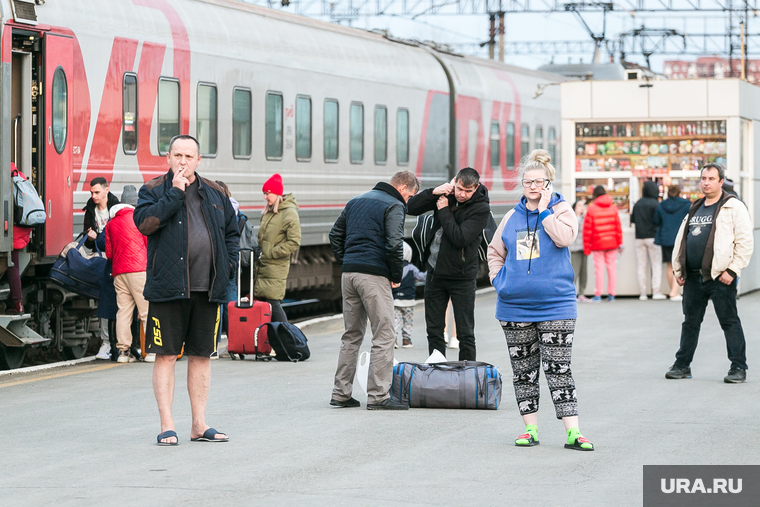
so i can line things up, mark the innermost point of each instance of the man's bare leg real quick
(198, 382)
(163, 389)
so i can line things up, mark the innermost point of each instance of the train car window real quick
(274, 126)
(331, 130)
(402, 136)
(129, 114)
(168, 112)
(381, 134)
(241, 123)
(539, 137)
(206, 125)
(303, 128)
(356, 131)
(510, 144)
(495, 154)
(552, 145)
(60, 109)
(524, 139)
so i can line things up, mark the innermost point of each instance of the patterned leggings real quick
(404, 319)
(548, 344)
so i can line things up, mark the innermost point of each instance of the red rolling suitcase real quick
(244, 317)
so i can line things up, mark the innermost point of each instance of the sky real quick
(465, 32)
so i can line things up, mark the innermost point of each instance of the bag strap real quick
(274, 328)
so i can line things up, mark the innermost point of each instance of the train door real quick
(58, 171)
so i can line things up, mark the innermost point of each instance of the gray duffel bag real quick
(459, 384)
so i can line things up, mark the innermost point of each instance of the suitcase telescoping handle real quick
(239, 271)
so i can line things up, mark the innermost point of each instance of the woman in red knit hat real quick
(279, 237)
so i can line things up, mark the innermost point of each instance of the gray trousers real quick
(366, 296)
(580, 267)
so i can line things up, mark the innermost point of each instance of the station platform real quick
(86, 434)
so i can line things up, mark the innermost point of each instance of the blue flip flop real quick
(167, 434)
(210, 436)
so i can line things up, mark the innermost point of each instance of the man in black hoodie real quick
(460, 213)
(643, 215)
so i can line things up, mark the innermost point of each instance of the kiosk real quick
(622, 133)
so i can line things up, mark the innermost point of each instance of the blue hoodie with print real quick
(536, 282)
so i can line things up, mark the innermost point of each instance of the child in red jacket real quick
(603, 236)
(128, 250)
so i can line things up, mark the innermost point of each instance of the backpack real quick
(247, 240)
(422, 237)
(488, 231)
(28, 209)
(288, 341)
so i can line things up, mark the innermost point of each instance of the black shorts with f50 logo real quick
(192, 322)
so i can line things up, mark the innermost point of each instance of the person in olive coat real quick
(279, 237)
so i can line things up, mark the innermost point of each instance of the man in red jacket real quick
(127, 249)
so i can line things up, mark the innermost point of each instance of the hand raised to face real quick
(444, 189)
(179, 181)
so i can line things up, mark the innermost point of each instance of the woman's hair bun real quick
(540, 156)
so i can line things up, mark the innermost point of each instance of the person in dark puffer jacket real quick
(643, 217)
(192, 255)
(367, 240)
(603, 235)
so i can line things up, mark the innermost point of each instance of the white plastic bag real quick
(435, 357)
(362, 370)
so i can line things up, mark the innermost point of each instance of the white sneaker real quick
(105, 352)
(453, 343)
(150, 358)
(643, 297)
(125, 357)
(677, 298)
(659, 296)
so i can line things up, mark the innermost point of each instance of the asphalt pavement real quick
(86, 434)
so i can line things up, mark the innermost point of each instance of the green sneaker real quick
(529, 438)
(578, 442)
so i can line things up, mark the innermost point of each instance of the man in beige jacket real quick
(713, 245)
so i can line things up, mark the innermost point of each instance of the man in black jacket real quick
(460, 214)
(368, 240)
(192, 255)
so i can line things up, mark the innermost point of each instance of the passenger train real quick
(93, 88)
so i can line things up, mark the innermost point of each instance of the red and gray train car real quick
(93, 88)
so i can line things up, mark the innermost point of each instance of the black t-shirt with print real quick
(696, 241)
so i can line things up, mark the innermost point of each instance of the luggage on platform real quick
(244, 320)
(78, 271)
(456, 384)
(288, 341)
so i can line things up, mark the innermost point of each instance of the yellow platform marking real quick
(58, 375)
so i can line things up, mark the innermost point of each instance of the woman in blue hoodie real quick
(668, 217)
(529, 265)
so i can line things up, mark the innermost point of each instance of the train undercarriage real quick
(54, 319)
